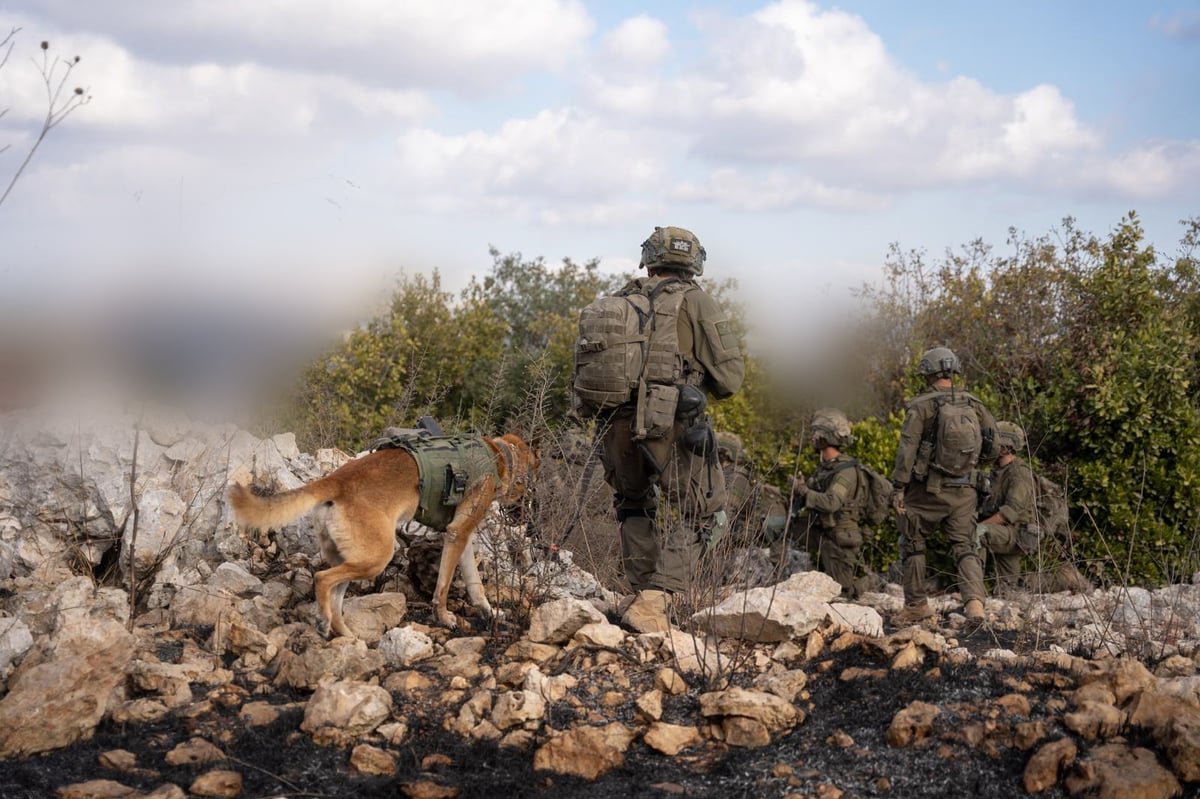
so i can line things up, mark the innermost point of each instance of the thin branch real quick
(57, 109)
(137, 435)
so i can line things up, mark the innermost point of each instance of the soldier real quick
(830, 528)
(1008, 511)
(681, 462)
(748, 503)
(1026, 515)
(946, 432)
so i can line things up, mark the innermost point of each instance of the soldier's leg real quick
(1001, 541)
(959, 525)
(694, 485)
(632, 481)
(840, 556)
(921, 517)
(811, 538)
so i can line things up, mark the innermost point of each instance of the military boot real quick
(913, 614)
(974, 610)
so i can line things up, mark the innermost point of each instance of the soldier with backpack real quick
(946, 433)
(646, 361)
(832, 499)
(1025, 514)
(1007, 528)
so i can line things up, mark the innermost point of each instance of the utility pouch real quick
(655, 411)
(847, 539)
(1028, 538)
(924, 456)
(456, 486)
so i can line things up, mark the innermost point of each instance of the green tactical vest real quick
(446, 465)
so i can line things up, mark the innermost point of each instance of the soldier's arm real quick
(1016, 506)
(910, 441)
(987, 427)
(716, 345)
(834, 498)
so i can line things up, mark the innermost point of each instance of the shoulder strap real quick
(845, 465)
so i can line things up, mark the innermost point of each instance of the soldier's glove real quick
(898, 499)
(712, 536)
(799, 485)
(977, 538)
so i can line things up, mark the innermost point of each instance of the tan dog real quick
(359, 506)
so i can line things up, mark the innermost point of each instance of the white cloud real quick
(637, 42)
(465, 44)
(556, 166)
(133, 94)
(813, 94)
(777, 190)
(1150, 170)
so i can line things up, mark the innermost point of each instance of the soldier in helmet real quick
(829, 523)
(748, 502)
(1008, 511)
(1018, 517)
(681, 466)
(946, 433)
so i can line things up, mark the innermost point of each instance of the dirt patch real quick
(842, 743)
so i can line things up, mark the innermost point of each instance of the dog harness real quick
(446, 465)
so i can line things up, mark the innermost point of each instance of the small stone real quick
(119, 760)
(258, 714)
(195, 752)
(435, 761)
(650, 705)
(428, 790)
(669, 682)
(671, 739)
(217, 783)
(96, 789)
(372, 760)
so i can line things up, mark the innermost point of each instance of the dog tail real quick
(273, 512)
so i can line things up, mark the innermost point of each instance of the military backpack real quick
(875, 491)
(958, 436)
(873, 497)
(1050, 505)
(628, 351)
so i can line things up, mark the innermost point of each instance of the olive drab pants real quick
(953, 510)
(836, 550)
(1001, 541)
(660, 545)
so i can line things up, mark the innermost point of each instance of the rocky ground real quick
(213, 682)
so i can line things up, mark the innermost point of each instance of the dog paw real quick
(447, 619)
(323, 628)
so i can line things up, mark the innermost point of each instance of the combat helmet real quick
(833, 426)
(673, 248)
(729, 445)
(1010, 435)
(939, 362)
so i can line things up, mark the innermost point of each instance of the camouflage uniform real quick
(640, 470)
(1013, 498)
(829, 529)
(748, 503)
(933, 500)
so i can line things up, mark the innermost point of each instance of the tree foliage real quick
(1092, 343)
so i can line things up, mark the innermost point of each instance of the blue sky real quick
(306, 156)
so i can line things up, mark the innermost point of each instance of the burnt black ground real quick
(279, 760)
